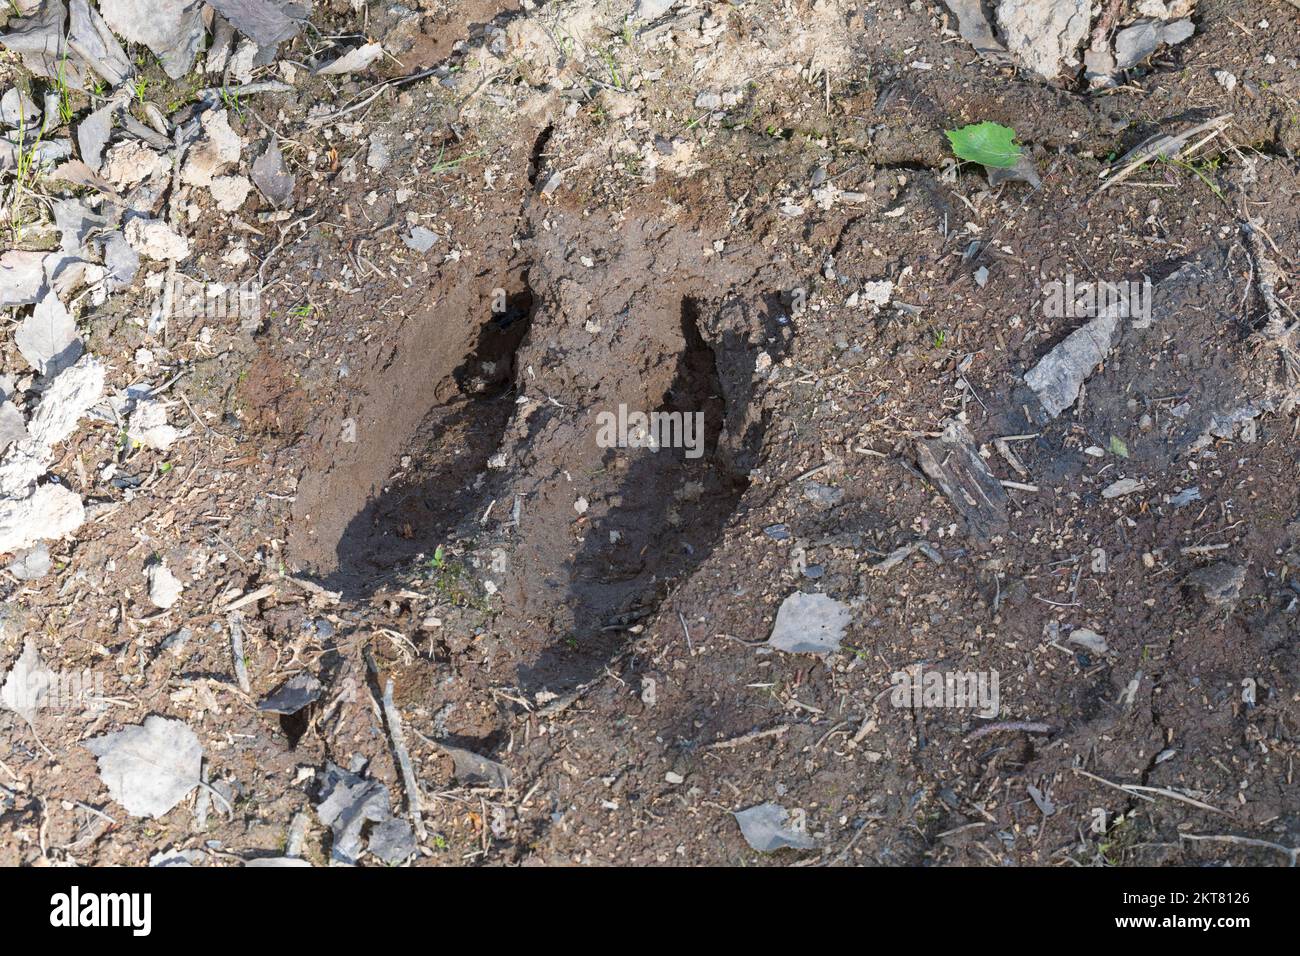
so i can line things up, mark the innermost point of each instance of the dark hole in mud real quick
(670, 506)
(538, 152)
(294, 726)
(436, 481)
(488, 372)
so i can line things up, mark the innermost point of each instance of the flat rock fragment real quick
(48, 512)
(1221, 582)
(155, 239)
(1044, 35)
(809, 624)
(975, 28)
(1135, 43)
(230, 191)
(132, 162)
(474, 768)
(767, 828)
(148, 425)
(293, 695)
(66, 402)
(164, 587)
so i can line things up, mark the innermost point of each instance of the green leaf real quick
(1118, 447)
(986, 143)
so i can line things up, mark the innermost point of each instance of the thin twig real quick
(733, 742)
(1169, 146)
(393, 720)
(235, 619)
(1140, 791)
(1291, 852)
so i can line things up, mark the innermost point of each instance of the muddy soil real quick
(407, 451)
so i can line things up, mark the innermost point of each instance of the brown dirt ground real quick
(674, 285)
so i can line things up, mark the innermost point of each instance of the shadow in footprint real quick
(667, 512)
(438, 480)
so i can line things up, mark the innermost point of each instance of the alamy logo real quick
(211, 300)
(74, 909)
(1069, 299)
(917, 687)
(62, 691)
(624, 429)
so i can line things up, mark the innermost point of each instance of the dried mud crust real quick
(619, 680)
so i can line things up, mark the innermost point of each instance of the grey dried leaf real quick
(1041, 800)
(39, 38)
(348, 802)
(272, 177)
(91, 39)
(121, 261)
(93, 134)
(1122, 487)
(265, 22)
(181, 858)
(77, 173)
(48, 337)
(17, 109)
(149, 768)
(75, 221)
(172, 29)
(22, 277)
(354, 61)
(1088, 639)
(420, 239)
(392, 841)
